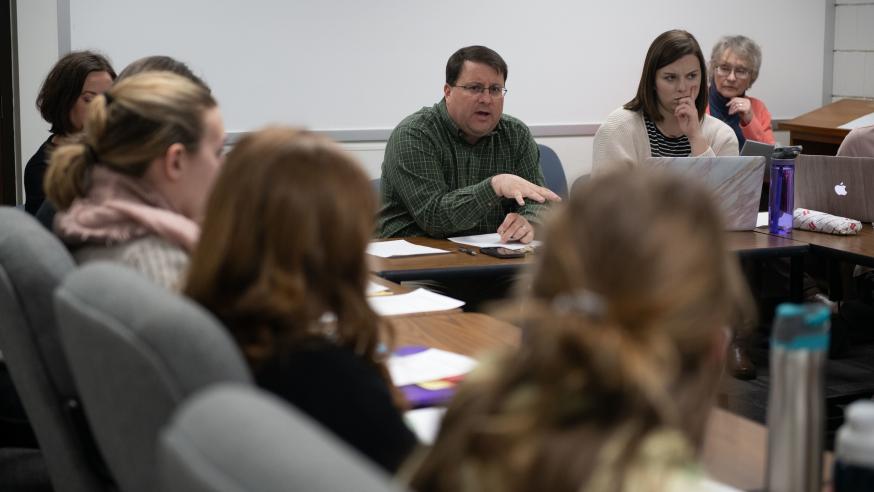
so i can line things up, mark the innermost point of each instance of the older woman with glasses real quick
(734, 66)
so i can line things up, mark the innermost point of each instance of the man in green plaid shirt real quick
(461, 166)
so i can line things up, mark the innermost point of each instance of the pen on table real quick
(468, 251)
(380, 293)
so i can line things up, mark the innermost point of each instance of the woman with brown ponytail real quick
(625, 328)
(282, 263)
(133, 190)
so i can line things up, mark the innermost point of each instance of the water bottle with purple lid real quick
(781, 195)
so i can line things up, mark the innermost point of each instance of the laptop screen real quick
(736, 183)
(842, 186)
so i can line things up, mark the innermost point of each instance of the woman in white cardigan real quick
(667, 117)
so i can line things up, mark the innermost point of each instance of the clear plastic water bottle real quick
(854, 449)
(781, 194)
(796, 401)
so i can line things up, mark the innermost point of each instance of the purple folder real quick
(420, 397)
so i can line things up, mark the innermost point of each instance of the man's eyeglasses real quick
(739, 72)
(494, 91)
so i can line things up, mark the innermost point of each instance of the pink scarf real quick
(120, 208)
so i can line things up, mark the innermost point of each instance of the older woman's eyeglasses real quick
(739, 72)
(494, 91)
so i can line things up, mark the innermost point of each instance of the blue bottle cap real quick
(814, 313)
(788, 310)
(801, 326)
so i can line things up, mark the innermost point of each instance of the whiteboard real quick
(358, 65)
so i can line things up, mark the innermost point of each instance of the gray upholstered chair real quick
(233, 438)
(137, 350)
(579, 182)
(32, 264)
(553, 172)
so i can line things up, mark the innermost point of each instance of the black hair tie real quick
(91, 154)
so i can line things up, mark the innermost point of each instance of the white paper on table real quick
(375, 288)
(425, 422)
(428, 365)
(490, 241)
(709, 484)
(400, 247)
(417, 301)
(762, 219)
(861, 121)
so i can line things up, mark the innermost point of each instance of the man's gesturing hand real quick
(512, 186)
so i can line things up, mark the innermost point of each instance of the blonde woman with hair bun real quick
(624, 334)
(134, 188)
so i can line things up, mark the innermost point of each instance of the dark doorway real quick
(7, 108)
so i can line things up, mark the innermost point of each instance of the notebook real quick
(754, 148)
(842, 186)
(736, 183)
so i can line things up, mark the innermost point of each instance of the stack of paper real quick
(375, 289)
(425, 422)
(859, 122)
(426, 376)
(427, 364)
(417, 301)
(400, 247)
(762, 219)
(491, 241)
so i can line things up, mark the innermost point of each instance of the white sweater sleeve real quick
(615, 143)
(722, 140)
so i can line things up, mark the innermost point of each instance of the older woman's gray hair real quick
(742, 46)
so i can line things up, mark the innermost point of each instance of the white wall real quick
(351, 65)
(37, 26)
(854, 49)
(572, 105)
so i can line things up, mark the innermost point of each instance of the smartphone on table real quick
(499, 252)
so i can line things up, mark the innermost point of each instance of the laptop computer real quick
(736, 183)
(753, 148)
(842, 186)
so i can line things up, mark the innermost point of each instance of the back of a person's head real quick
(161, 63)
(621, 333)
(127, 128)
(284, 240)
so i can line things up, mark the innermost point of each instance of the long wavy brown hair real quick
(621, 337)
(283, 244)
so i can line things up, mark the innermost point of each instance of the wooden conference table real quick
(856, 249)
(735, 448)
(441, 266)
(747, 244)
(818, 131)
(755, 244)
